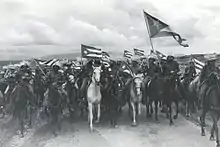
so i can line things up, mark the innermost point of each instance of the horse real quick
(20, 99)
(170, 95)
(112, 93)
(210, 103)
(190, 94)
(54, 100)
(154, 91)
(135, 96)
(39, 89)
(94, 95)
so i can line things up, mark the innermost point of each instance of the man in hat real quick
(189, 74)
(171, 66)
(208, 68)
(24, 70)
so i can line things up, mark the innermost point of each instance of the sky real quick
(33, 28)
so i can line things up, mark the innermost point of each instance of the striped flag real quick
(105, 59)
(198, 64)
(90, 52)
(127, 54)
(138, 52)
(50, 62)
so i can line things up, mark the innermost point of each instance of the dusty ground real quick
(76, 134)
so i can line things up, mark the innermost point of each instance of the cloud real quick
(55, 26)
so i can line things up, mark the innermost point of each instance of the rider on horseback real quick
(189, 74)
(86, 74)
(56, 79)
(206, 73)
(171, 66)
(24, 71)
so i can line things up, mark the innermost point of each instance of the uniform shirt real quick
(190, 71)
(56, 77)
(171, 66)
(153, 69)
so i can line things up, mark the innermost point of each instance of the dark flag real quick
(138, 52)
(157, 28)
(90, 52)
(127, 54)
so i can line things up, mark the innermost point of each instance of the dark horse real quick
(39, 88)
(170, 95)
(153, 94)
(55, 107)
(21, 98)
(112, 94)
(210, 103)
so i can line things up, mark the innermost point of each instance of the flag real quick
(127, 54)
(138, 52)
(50, 62)
(198, 64)
(90, 52)
(106, 59)
(157, 28)
(158, 53)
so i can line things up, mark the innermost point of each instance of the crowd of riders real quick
(58, 74)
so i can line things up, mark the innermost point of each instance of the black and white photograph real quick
(109, 73)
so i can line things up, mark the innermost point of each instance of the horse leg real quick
(216, 131)
(139, 108)
(30, 117)
(177, 110)
(90, 116)
(156, 110)
(148, 109)
(170, 114)
(202, 119)
(134, 123)
(98, 113)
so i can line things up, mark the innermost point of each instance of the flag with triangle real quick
(157, 28)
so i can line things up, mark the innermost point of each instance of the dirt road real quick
(76, 134)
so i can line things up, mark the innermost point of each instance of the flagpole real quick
(148, 29)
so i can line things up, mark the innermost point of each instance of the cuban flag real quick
(105, 59)
(90, 52)
(138, 52)
(127, 54)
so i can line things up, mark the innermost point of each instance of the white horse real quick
(135, 96)
(94, 95)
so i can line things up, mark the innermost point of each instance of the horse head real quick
(96, 76)
(213, 78)
(138, 81)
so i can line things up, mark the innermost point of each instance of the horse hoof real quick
(97, 121)
(171, 123)
(148, 116)
(203, 134)
(157, 121)
(134, 124)
(212, 138)
(175, 117)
